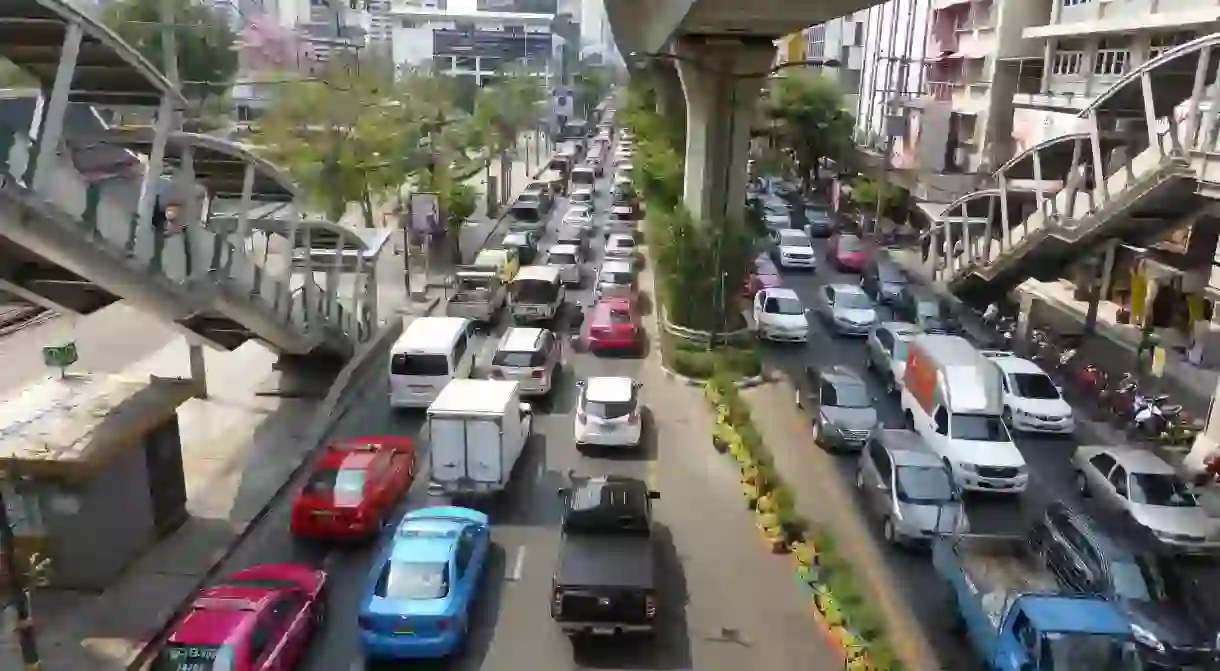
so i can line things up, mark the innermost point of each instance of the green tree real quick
(808, 117)
(866, 192)
(592, 82)
(207, 53)
(12, 77)
(502, 112)
(458, 201)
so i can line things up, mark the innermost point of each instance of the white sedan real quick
(780, 315)
(1032, 401)
(608, 412)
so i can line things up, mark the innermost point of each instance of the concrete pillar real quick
(51, 129)
(720, 109)
(671, 103)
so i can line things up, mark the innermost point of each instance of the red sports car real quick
(258, 619)
(847, 252)
(614, 325)
(354, 486)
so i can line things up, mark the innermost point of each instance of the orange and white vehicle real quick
(953, 398)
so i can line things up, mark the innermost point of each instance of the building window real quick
(1166, 41)
(1067, 63)
(1073, 3)
(1113, 57)
(408, 23)
(464, 63)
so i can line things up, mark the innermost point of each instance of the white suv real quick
(608, 412)
(530, 356)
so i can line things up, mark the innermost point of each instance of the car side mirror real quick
(580, 384)
(882, 487)
(526, 408)
(563, 492)
(653, 494)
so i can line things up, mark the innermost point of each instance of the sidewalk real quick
(823, 498)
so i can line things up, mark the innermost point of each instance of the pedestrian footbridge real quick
(91, 214)
(1147, 163)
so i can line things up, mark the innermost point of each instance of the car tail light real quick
(633, 418)
(442, 624)
(556, 601)
(650, 606)
(538, 374)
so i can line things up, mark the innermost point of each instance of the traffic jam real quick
(952, 441)
(428, 563)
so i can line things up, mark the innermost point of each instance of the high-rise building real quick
(841, 40)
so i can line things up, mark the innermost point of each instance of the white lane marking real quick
(518, 566)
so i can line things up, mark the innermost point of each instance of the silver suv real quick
(530, 356)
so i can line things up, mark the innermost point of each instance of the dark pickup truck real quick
(605, 583)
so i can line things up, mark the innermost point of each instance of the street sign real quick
(60, 356)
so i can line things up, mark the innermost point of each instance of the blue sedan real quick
(417, 601)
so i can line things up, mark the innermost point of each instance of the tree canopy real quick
(591, 84)
(505, 109)
(807, 114)
(207, 54)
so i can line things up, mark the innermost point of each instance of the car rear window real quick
(617, 278)
(336, 482)
(610, 409)
(407, 580)
(419, 365)
(620, 316)
(563, 259)
(518, 359)
(179, 657)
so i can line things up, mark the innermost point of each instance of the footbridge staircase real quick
(1147, 162)
(91, 214)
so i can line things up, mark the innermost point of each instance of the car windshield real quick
(924, 485)
(619, 316)
(563, 259)
(472, 285)
(526, 213)
(890, 275)
(900, 351)
(1034, 385)
(337, 483)
(419, 365)
(850, 243)
(966, 426)
(535, 291)
(580, 196)
(847, 395)
(1160, 489)
(1130, 581)
(515, 240)
(1069, 652)
(791, 238)
(852, 300)
(623, 243)
(783, 305)
(408, 580)
(611, 277)
(610, 409)
(180, 657)
(817, 216)
(930, 309)
(518, 359)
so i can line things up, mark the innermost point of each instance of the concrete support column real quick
(720, 109)
(671, 103)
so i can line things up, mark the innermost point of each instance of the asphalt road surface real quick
(711, 593)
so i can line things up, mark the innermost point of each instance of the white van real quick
(536, 294)
(430, 352)
(952, 397)
(477, 429)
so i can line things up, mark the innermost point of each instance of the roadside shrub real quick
(695, 361)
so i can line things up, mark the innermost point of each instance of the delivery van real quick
(952, 397)
(477, 429)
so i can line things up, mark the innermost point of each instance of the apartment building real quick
(1087, 45)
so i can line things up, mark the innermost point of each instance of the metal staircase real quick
(1150, 181)
(78, 245)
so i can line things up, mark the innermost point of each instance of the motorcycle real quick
(1119, 398)
(1148, 418)
(1091, 380)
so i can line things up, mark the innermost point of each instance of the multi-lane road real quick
(726, 604)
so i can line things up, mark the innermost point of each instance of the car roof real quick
(782, 292)
(842, 287)
(213, 621)
(609, 389)
(515, 235)
(426, 539)
(583, 189)
(907, 447)
(520, 339)
(621, 236)
(902, 330)
(793, 233)
(616, 266)
(563, 248)
(613, 303)
(840, 373)
(1136, 460)
(545, 273)
(1015, 364)
(343, 457)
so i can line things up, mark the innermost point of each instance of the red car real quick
(354, 486)
(764, 275)
(847, 252)
(258, 619)
(614, 325)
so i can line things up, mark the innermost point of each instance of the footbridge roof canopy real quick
(1172, 81)
(109, 71)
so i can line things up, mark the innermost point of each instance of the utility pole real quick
(26, 636)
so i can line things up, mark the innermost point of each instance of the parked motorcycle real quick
(1091, 380)
(1119, 398)
(1148, 418)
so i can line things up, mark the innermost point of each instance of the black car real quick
(1168, 623)
(884, 281)
(820, 222)
(927, 311)
(605, 580)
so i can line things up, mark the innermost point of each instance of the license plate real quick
(404, 632)
(419, 387)
(603, 631)
(609, 427)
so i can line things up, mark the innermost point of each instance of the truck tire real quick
(908, 420)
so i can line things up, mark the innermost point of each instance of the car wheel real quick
(1082, 485)
(860, 480)
(909, 421)
(887, 530)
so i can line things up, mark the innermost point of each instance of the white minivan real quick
(953, 398)
(430, 352)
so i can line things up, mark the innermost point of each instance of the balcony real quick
(970, 97)
(942, 91)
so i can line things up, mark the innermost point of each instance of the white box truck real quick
(477, 430)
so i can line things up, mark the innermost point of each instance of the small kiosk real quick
(91, 471)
